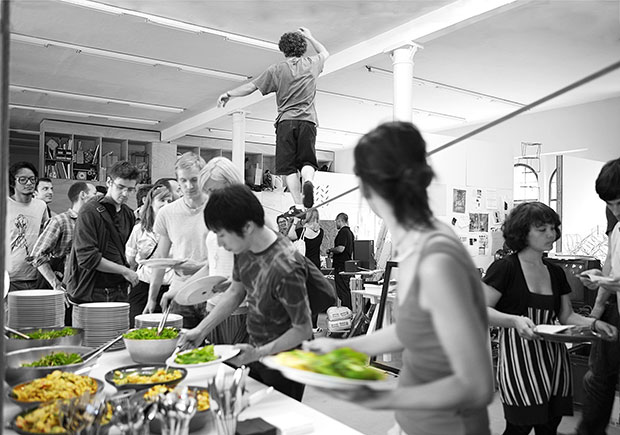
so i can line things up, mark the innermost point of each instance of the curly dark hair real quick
(293, 44)
(608, 181)
(391, 161)
(124, 170)
(14, 169)
(517, 225)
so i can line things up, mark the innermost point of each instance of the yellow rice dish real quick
(159, 376)
(56, 385)
(46, 419)
(202, 397)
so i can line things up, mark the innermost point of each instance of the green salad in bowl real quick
(151, 334)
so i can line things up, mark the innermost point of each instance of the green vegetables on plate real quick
(47, 335)
(151, 334)
(197, 356)
(344, 362)
(56, 359)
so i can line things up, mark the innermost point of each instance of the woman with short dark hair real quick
(525, 290)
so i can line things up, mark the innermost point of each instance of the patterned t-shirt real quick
(275, 282)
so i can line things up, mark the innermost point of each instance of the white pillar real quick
(402, 64)
(238, 142)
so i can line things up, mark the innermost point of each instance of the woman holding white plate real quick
(441, 324)
(525, 290)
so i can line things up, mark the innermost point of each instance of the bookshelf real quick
(70, 151)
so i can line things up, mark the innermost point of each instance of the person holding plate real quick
(525, 290)
(441, 324)
(599, 383)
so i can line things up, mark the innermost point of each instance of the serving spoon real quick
(16, 332)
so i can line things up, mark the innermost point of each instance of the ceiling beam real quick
(424, 27)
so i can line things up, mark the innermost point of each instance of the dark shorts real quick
(295, 146)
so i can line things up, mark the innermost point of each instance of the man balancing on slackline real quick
(294, 82)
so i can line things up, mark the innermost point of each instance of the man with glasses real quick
(98, 270)
(25, 218)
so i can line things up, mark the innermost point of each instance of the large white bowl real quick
(150, 351)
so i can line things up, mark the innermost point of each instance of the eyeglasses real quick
(124, 188)
(25, 180)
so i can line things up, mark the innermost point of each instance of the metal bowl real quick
(15, 374)
(142, 369)
(25, 405)
(103, 429)
(13, 344)
(150, 351)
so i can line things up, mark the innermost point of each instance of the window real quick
(553, 190)
(525, 184)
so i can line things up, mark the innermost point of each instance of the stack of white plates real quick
(36, 309)
(152, 320)
(102, 322)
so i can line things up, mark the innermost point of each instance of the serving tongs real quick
(98, 351)
(16, 332)
(162, 322)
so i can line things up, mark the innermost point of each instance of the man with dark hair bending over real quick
(294, 82)
(267, 270)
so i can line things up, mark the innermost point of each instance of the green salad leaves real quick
(151, 334)
(344, 362)
(47, 335)
(56, 359)
(197, 356)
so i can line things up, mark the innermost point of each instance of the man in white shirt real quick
(25, 218)
(599, 383)
(182, 234)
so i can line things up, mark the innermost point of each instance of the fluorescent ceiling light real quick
(103, 100)
(437, 85)
(553, 153)
(127, 57)
(267, 136)
(83, 114)
(175, 24)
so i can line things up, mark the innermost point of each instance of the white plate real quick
(603, 279)
(161, 263)
(223, 351)
(551, 329)
(198, 290)
(326, 381)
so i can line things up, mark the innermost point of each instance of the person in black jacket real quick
(341, 253)
(98, 270)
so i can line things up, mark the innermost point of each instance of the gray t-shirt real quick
(294, 82)
(275, 284)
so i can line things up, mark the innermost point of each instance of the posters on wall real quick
(477, 216)
(459, 200)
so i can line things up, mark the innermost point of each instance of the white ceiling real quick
(519, 52)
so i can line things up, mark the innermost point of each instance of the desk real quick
(278, 409)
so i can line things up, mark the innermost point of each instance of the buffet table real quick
(290, 416)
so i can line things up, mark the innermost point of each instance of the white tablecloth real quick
(292, 417)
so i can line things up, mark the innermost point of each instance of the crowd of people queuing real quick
(214, 225)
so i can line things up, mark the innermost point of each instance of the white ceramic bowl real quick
(150, 351)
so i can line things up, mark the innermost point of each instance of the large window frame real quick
(522, 190)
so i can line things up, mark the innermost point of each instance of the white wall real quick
(593, 125)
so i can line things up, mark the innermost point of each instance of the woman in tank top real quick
(441, 325)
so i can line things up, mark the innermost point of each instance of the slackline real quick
(578, 83)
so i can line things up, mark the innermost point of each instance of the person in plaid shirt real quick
(54, 243)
